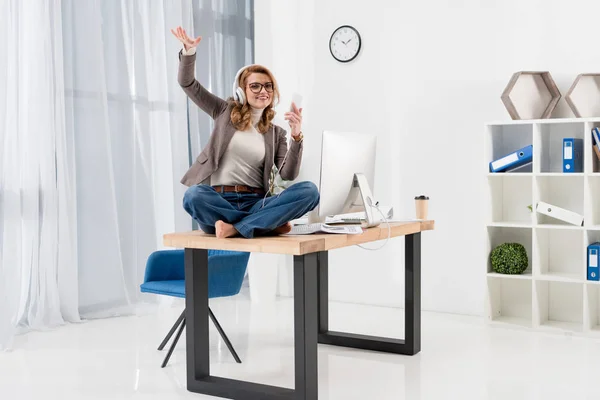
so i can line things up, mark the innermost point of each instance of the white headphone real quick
(239, 94)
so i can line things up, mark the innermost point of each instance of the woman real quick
(230, 183)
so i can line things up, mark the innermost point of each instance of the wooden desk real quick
(311, 306)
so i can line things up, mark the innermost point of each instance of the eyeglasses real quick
(256, 87)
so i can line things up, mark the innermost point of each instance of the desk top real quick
(294, 244)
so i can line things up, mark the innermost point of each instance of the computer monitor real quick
(347, 176)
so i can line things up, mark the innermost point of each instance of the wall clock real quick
(345, 43)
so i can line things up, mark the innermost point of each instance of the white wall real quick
(429, 75)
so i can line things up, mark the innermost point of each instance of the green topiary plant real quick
(509, 258)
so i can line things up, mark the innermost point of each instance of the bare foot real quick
(283, 229)
(224, 230)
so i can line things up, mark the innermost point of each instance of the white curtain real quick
(128, 117)
(94, 138)
(38, 269)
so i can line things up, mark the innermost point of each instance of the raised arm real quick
(208, 102)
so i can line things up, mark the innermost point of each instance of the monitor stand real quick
(360, 181)
(360, 184)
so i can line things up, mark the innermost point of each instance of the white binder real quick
(559, 213)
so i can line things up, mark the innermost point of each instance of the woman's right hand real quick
(188, 43)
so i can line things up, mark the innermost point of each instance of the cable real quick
(272, 184)
(272, 180)
(388, 225)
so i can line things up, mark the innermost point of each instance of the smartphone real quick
(296, 99)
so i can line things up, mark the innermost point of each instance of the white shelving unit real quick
(553, 294)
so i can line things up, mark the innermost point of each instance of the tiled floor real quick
(461, 358)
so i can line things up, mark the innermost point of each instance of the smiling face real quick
(259, 90)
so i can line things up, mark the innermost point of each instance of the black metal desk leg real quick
(411, 344)
(196, 308)
(306, 325)
(323, 286)
(412, 293)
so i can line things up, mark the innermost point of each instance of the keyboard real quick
(306, 229)
(352, 220)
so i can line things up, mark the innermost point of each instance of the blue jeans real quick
(245, 211)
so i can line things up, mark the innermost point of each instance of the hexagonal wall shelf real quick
(584, 96)
(530, 95)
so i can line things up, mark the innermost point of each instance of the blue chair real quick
(165, 275)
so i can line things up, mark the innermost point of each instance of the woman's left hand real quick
(294, 118)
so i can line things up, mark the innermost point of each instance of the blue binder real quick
(572, 155)
(596, 137)
(593, 250)
(513, 160)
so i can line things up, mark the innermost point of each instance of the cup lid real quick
(422, 197)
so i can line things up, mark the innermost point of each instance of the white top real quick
(243, 160)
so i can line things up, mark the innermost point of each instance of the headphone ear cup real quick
(240, 95)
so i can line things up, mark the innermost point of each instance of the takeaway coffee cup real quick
(421, 206)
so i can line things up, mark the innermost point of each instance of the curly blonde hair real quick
(241, 113)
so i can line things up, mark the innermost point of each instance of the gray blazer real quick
(207, 161)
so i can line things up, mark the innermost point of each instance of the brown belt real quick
(237, 189)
